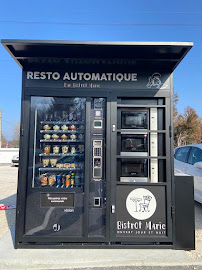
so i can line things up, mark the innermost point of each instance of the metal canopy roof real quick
(49, 53)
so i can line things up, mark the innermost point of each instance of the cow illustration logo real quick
(155, 81)
(56, 227)
(141, 204)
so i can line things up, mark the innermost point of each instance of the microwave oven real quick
(134, 119)
(135, 170)
(134, 144)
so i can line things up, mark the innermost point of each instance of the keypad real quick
(97, 151)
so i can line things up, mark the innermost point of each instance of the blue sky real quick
(49, 20)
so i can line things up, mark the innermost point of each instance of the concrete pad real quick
(8, 188)
(83, 258)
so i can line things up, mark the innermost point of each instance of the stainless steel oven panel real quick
(134, 154)
(134, 179)
(153, 145)
(154, 170)
(153, 119)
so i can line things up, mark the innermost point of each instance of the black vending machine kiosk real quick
(96, 149)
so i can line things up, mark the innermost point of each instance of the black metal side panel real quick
(184, 237)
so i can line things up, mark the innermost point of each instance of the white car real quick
(15, 160)
(188, 161)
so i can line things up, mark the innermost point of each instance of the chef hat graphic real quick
(154, 80)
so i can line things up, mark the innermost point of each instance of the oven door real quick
(133, 144)
(134, 119)
(133, 170)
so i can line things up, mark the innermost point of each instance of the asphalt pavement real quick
(62, 259)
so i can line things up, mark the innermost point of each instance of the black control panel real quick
(98, 136)
(97, 209)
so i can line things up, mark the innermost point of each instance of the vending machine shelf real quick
(69, 141)
(74, 188)
(62, 155)
(63, 122)
(60, 131)
(60, 169)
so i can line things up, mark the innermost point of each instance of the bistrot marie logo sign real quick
(140, 211)
(141, 204)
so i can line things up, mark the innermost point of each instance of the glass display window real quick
(58, 142)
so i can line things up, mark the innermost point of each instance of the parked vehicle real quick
(188, 161)
(15, 160)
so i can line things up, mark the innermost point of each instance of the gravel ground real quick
(197, 254)
(8, 188)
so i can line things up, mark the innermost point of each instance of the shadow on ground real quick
(10, 214)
